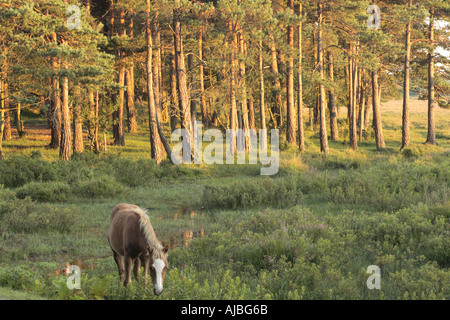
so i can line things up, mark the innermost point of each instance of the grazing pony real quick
(133, 240)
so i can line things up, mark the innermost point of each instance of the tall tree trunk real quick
(18, 121)
(65, 148)
(154, 135)
(406, 84)
(261, 89)
(54, 113)
(206, 119)
(182, 90)
(92, 122)
(233, 111)
(6, 120)
(119, 130)
(96, 143)
(193, 94)
(243, 87)
(156, 64)
(277, 107)
(290, 108)
(378, 126)
(431, 136)
(2, 113)
(367, 109)
(334, 131)
(301, 130)
(362, 104)
(131, 108)
(323, 127)
(251, 112)
(174, 111)
(354, 95)
(78, 146)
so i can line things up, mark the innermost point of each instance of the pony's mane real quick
(149, 233)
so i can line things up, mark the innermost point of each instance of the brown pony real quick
(133, 240)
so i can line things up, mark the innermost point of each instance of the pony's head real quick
(158, 267)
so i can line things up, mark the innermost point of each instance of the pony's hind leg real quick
(128, 265)
(137, 268)
(119, 261)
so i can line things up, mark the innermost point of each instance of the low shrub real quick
(51, 191)
(24, 215)
(98, 187)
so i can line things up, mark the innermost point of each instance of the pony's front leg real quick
(146, 265)
(128, 266)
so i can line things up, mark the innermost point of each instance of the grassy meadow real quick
(308, 232)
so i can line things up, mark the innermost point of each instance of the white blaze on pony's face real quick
(159, 267)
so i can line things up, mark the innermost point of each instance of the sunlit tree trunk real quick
(290, 109)
(78, 145)
(244, 107)
(131, 108)
(406, 85)
(65, 148)
(155, 150)
(378, 126)
(431, 136)
(334, 131)
(204, 108)
(182, 90)
(322, 102)
(301, 130)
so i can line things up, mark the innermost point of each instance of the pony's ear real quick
(166, 248)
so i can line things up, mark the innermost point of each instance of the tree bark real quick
(206, 119)
(354, 95)
(334, 131)
(278, 105)
(362, 104)
(251, 112)
(118, 127)
(406, 85)
(65, 149)
(2, 114)
(301, 130)
(18, 121)
(244, 107)
(431, 135)
(323, 128)
(182, 90)
(378, 126)
(233, 111)
(78, 145)
(6, 118)
(290, 109)
(156, 64)
(174, 111)
(131, 108)
(54, 113)
(154, 135)
(261, 89)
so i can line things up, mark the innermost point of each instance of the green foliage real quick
(99, 187)
(24, 215)
(51, 191)
(381, 186)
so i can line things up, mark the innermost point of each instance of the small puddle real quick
(84, 264)
(184, 237)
